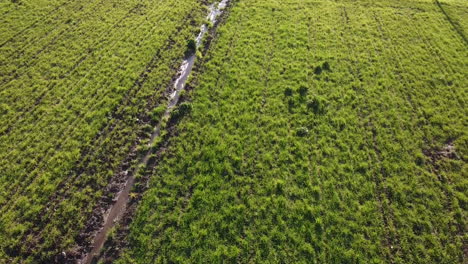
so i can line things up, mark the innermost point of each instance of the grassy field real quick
(313, 131)
(79, 83)
(320, 132)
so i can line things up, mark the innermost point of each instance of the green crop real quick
(81, 82)
(313, 131)
(319, 132)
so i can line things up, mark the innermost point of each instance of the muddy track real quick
(88, 154)
(64, 192)
(114, 245)
(104, 219)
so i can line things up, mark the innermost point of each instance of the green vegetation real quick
(314, 131)
(191, 46)
(319, 132)
(81, 82)
(456, 13)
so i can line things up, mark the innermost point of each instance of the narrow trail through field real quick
(117, 210)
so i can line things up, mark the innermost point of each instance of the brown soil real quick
(448, 151)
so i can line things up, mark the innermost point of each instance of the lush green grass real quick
(456, 12)
(78, 82)
(315, 137)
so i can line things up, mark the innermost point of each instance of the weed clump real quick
(317, 105)
(318, 70)
(183, 110)
(191, 47)
(157, 113)
(303, 91)
(324, 67)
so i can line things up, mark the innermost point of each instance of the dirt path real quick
(118, 209)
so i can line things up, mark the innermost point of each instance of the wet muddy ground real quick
(123, 206)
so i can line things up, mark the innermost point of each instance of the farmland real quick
(320, 132)
(79, 82)
(311, 131)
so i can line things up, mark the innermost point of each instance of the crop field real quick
(311, 131)
(321, 132)
(79, 80)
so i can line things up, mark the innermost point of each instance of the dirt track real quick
(123, 197)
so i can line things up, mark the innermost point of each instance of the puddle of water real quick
(118, 208)
(187, 65)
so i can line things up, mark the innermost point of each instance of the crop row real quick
(320, 131)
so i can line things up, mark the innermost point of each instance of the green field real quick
(317, 131)
(316, 136)
(79, 81)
